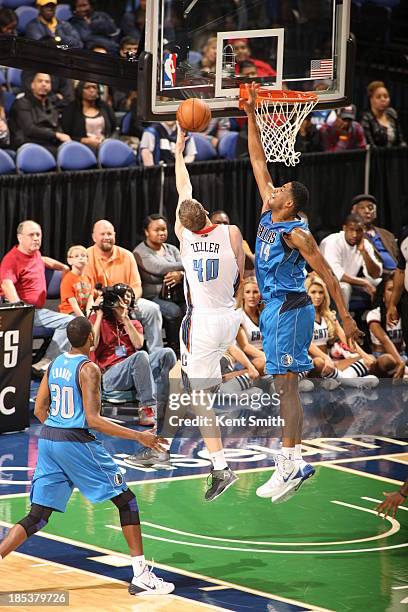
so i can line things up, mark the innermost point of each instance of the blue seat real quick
(14, 78)
(194, 58)
(25, 14)
(7, 165)
(205, 150)
(75, 156)
(14, 4)
(32, 158)
(63, 12)
(125, 125)
(8, 100)
(2, 78)
(44, 334)
(227, 145)
(116, 154)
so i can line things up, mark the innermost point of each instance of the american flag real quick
(321, 69)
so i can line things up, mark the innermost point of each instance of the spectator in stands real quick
(8, 22)
(247, 69)
(383, 241)
(118, 347)
(220, 217)
(242, 52)
(158, 144)
(34, 118)
(88, 119)
(46, 24)
(4, 129)
(386, 338)
(109, 264)
(162, 275)
(76, 288)
(22, 276)
(345, 133)
(347, 252)
(381, 125)
(209, 53)
(250, 305)
(94, 27)
(122, 100)
(308, 139)
(133, 22)
(398, 304)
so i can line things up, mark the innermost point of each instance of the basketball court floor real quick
(325, 549)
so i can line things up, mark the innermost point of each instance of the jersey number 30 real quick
(62, 399)
(211, 269)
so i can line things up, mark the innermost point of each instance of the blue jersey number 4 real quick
(211, 269)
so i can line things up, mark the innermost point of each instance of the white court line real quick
(379, 501)
(400, 587)
(164, 566)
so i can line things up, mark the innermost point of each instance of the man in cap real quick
(345, 133)
(47, 25)
(383, 241)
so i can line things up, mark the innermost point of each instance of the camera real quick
(111, 297)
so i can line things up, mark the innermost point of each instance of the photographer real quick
(118, 352)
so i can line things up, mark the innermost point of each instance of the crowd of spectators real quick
(50, 110)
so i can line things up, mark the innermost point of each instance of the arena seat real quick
(125, 125)
(43, 335)
(14, 4)
(3, 81)
(8, 100)
(32, 158)
(75, 156)
(25, 14)
(14, 78)
(7, 165)
(63, 12)
(205, 150)
(115, 154)
(227, 145)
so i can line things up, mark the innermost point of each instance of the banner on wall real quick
(16, 331)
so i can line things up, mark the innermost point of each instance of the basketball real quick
(194, 115)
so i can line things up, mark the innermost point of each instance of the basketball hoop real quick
(279, 115)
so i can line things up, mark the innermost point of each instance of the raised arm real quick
(238, 248)
(306, 245)
(183, 183)
(255, 148)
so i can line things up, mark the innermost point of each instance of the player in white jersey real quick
(213, 260)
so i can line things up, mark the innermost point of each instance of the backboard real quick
(207, 48)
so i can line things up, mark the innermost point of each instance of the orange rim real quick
(278, 95)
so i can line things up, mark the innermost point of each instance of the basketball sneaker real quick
(149, 584)
(146, 416)
(285, 479)
(148, 457)
(361, 382)
(221, 480)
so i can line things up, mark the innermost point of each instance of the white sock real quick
(218, 460)
(138, 564)
(334, 374)
(298, 452)
(355, 370)
(288, 452)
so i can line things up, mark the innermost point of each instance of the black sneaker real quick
(148, 457)
(221, 480)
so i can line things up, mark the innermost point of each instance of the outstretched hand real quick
(150, 440)
(390, 504)
(181, 139)
(249, 104)
(353, 334)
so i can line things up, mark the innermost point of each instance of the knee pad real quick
(36, 519)
(127, 505)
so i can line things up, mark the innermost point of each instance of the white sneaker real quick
(149, 584)
(330, 384)
(286, 477)
(362, 382)
(306, 385)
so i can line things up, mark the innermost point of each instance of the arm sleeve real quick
(135, 281)
(148, 141)
(366, 125)
(8, 270)
(67, 288)
(156, 266)
(374, 315)
(24, 119)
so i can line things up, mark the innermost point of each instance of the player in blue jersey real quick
(69, 455)
(283, 247)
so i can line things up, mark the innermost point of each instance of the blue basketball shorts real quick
(286, 325)
(63, 465)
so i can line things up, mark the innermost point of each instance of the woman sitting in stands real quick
(384, 338)
(249, 337)
(333, 359)
(162, 276)
(381, 124)
(88, 119)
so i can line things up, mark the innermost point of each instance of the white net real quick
(279, 123)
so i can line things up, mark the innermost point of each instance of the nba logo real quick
(169, 70)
